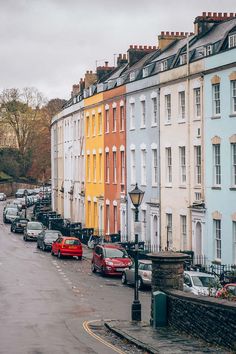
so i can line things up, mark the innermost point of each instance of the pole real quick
(25, 205)
(136, 306)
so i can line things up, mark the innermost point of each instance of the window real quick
(183, 231)
(145, 71)
(168, 107)
(182, 105)
(198, 196)
(94, 168)
(107, 120)
(143, 114)
(132, 76)
(169, 165)
(88, 126)
(114, 167)
(164, 65)
(198, 175)
(143, 168)
(132, 117)
(232, 40)
(182, 160)
(144, 216)
(208, 49)
(233, 90)
(115, 218)
(122, 159)
(234, 241)
(107, 166)
(99, 123)
(216, 99)
(93, 125)
(154, 167)
(154, 111)
(100, 167)
(133, 167)
(233, 159)
(217, 234)
(122, 118)
(169, 241)
(183, 59)
(197, 102)
(88, 168)
(107, 219)
(216, 165)
(114, 120)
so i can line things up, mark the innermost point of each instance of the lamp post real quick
(136, 196)
(25, 194)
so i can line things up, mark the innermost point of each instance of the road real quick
(45, 301)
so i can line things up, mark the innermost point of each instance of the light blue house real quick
(220, 146)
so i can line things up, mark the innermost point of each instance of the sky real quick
(49, 44)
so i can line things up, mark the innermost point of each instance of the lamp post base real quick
(136, 311)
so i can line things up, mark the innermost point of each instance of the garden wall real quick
(211, 319)
(10, 188)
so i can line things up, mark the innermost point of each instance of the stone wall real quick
(10, 188)
(213, 320)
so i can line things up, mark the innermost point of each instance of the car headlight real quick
(109, 263)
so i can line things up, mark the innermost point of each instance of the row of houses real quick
(165, 118)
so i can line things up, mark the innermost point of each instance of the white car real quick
(32, 230)
(11, 214)
(3, 196)
(199, 283)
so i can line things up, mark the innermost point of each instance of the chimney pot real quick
(87, 72)
(144, 47)
(140, 47)
(204, 14)
(106, 64)
(209, 14)
(167, 33)
(219, 14)
(231, 14)
(135, 47)
(162, 33)
(172, 33)
(225, 14)
(214, 14)
(177, 33)
(181, 33)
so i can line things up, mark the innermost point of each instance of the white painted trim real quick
(94, 152)
(88, 152)
(114, 148)
(143, 146)
(114, 105)
(107, 202)
(153, 94)
(114, 202)
(181, 88)
(88, 198)
(142, 98)
(106, 149)
(196, 84)
(100, 150)
(95, 199)
(183, 212)
(168, 210)
(122, 148)
(153, 146)
(93, 112)
(107, 107)
(167, 145)
(99, 110)
(122, 103)
(132, 147)
(131, 100)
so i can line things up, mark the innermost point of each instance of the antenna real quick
(97, 61)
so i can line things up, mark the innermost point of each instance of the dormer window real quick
(145, 72)
(132, 76)
(120, 81)
(232, 40)
(164, 65)
(208, 49)
(183, 59)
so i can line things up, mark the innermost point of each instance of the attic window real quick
(132, 76)
(145, 71)
(232, 40)
(183, 59)
(120, 81)
(208, 49)
(164, 65)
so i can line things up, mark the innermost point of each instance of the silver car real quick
(11, 214)
(144, 274)
(32, 230)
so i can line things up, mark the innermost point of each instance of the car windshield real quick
(115, 253)
(51, 236)
(34, 226)
(72, 242)
(12, 211)
(202, 281)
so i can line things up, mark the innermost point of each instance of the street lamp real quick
(136, 196)
(25, 194)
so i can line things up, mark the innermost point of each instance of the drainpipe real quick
(159, 163)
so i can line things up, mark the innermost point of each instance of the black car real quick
(19, 224)
(46, 238)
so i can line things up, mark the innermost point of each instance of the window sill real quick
(167, 123)
(197, 186)
(143, 127)
(216, 188)
(122, 130)
(168, 186)
(131, 128)
(154, 125)
(196, 119)
(181, 186)
(233, 115)
(154, 186)
(232, 188)
(216, 117)
(181, 121)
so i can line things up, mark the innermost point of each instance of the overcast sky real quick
(49, 44)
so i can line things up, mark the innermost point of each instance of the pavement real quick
(163, 340)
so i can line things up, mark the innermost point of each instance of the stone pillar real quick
(167, 272)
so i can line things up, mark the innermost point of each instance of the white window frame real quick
(100, 166)
(88, 126)
(115, 214)
(168, 165)
(107, 120)
(233, 164)
(164, 65)
(99, 123)
(114, 119)
(232, 40)
(107, 165)
(233, 96)
(94, 168)
(182, 164)
(88, 169)
(143, 114)
(154, 168)
(114, 160)
(168, 108)
(133, 167)
(182, 106)
(183, 232)
(93, 124)
(218, 238)
(122, 165)
(216, 165)
(132, 116)
(183, 59)
(208, 49)
(169, 229)
(197, 102)
(234, 240)
(154, 111)
(122, 118)
(143, 167)
(216, 99)
(198, 164)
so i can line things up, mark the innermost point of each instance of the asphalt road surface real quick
(46, 304)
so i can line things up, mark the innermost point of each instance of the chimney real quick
(89, 78)
(102, 71)
(208, 19)
(135, 53)
(121, 59)
(165, 38)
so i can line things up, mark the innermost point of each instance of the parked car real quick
(20, 193)
(10, 215)
(46, 238)
(199, 283)
(229, 290)
(32, 229)
(3, 196)
(110, 259)
(19, 224)
(67, 246)
(144, 274)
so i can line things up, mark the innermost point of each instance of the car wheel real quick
(43, 247)
(140, 283)
(79, 258)
(25, 238)
(38, 245)
(52, 253)
(93, 269)
(59, 255)
(11, 229)
(123, 279)
(103, 271)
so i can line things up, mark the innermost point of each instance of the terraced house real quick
(163, 118)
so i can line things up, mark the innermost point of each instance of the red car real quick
(227, 290)
(67, 246)
(110, 259)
